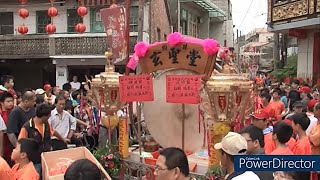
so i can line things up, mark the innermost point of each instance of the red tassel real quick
(199, 116)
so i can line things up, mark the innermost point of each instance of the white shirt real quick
(246, 176)
(75, 85)
(3, 126)
(313, 122)
(62, 124)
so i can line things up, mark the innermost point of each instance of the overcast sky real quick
(256, 17)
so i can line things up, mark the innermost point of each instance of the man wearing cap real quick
(298, 107)
(48, 96)
(233, 144)
(305, 94)
(260, 120)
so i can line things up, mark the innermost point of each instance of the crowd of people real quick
(286, 121)
(41, 120)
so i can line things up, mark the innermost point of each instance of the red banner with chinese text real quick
(183, 89)
(136, 88)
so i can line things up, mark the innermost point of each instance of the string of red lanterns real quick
(52, 12)
(82, 11)
(23, 13)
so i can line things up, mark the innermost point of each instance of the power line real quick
(245, 14)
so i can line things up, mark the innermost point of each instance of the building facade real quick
(300, 20)
(56, 58)
(203, 19)
(258, 49)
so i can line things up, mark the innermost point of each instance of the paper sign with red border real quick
(136, 88)
(183, 89)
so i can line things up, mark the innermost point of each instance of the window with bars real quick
(42, 21)
(73, 19)
(6, 23)
(134, 16)
(96, 24)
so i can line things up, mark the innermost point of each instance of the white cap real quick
(233, 144)
(39, 91)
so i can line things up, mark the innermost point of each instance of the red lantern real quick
(50, 28)
(24, 13)
(52, 12)
(80, 28)
(23, 1)
(82, 11)
(23, 29)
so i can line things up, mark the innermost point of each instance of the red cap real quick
(47, 87)
(312, 103)
(260, 114)
(304, 89)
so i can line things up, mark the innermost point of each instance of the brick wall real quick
(160, 24)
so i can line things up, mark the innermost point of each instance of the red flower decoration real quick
(111, 165)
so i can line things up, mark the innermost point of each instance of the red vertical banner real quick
(114, 20)
(184, 89)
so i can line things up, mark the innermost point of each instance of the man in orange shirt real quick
(299, 126)
(266, 106)
(39, 130)
(25, 152)
(282, 133)
(277, 104)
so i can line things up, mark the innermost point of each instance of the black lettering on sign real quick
(156, 59)
(164, 47)
(184, 47)
(173, 53)
(193, 56)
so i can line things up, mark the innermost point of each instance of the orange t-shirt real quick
(39, 127)
(270, 145)
(270, 110)
(278, 107)
(28, 172)
(282, 151)
(5, 170)
(302, 147)
(314, 138)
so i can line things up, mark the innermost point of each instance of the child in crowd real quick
(282, 133)
(83, 169)
(26, 150)
(299, 126)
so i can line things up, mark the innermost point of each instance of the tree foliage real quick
(290, 70)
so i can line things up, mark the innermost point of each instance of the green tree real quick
(290, 70)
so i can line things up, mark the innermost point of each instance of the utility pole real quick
(276, 55)
(140, 22)
(238, 48)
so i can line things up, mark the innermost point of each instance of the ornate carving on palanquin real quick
(290, 10)
(311, 6)
(318, 5)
